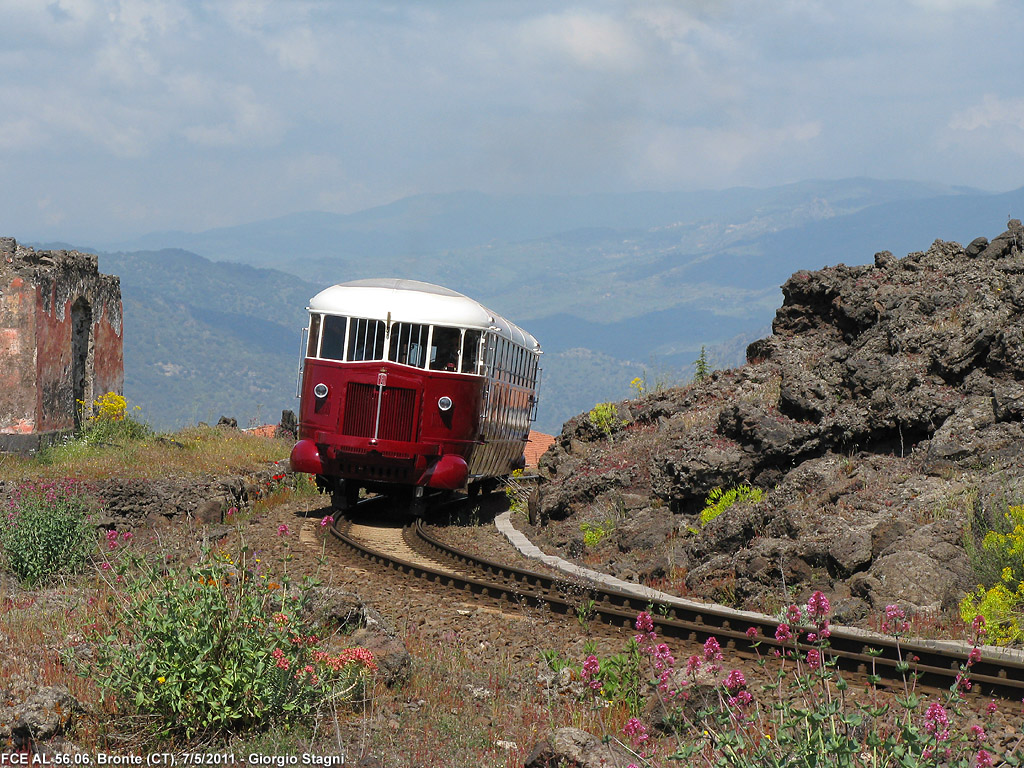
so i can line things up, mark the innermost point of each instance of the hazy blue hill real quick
(377, 240)
(205, 339)
(612, 285)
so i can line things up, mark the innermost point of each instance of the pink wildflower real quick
(992, 707)
(794, 614)
(983, 759)
(894, 620)
(783, 633)
(636, 731)
(735, 681)
(978, 626)
(282, 530)
(741, 699)
(814, 658)
(693, 665)
(752, 632)
(978, 733)
(712, 650)
(663, 657)
(105, 566)
(818, 605)
(974, 657)
(346, 657)
(280, 659)
(644, 622)
(328, 520)
(936, 721)
(591, 669)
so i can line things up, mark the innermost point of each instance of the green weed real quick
(718, 501)
(46, 531)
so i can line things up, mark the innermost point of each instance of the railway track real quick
(412, 550)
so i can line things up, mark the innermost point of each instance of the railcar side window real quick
(408, 343)
(366, 340)
(444, 349)
(314, 335)
(332, 347)
(470, 351)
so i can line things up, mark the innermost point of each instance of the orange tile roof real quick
(535, 447)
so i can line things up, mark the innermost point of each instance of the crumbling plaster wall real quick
(38, 295)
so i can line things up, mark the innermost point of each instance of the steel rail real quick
(936, 664)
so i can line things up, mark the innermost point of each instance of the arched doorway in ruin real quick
(82, 347)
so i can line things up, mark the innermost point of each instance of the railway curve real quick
(411, 549)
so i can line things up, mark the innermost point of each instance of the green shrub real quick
(46, 531)
(999, 565)
(109, 421)
(719, 500)
(619, 679)
(603, 417)
(213, 649)
(517, 493)
(594, 533)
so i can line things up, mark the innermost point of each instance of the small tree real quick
(702, 368)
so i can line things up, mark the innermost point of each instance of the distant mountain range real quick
(612, 285)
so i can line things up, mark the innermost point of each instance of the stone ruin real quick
(60, 342)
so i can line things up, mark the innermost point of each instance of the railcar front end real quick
(406, 385)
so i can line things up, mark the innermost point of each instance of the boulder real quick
(573, 748)
(394, 662)
(45, 714)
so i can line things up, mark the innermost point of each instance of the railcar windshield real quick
(409, 343)
(313, 341)
(444, 348)
(332, 345)
(470, 351)
(436, 347)
(366, 340)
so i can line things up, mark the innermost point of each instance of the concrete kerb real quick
(531, 550)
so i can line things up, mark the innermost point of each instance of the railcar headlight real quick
(320, 390)
(445, 403)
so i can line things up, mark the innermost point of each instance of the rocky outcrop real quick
(133, 502)
(882, 417)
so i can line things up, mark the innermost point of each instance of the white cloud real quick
(689, 154)
(19, 134)
(248, 123)
(296, 49)
(948, 6)
(587, 40)
(993, 112)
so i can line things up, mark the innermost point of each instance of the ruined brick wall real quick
(60, 339)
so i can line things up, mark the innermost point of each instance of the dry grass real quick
(192, 451)
(468, 705)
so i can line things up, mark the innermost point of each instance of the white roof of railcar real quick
(411, 301)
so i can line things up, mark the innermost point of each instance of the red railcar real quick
(408, 385)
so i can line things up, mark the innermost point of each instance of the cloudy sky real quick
(119, 117)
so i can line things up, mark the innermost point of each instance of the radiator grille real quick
(397, 409)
